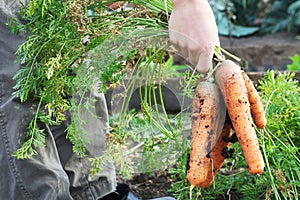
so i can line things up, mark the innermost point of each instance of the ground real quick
(150, 186)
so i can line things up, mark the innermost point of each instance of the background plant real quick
(283, 16)
(243, 18)
(233, 17)
(295, 65)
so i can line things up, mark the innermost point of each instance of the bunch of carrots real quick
(225, 110)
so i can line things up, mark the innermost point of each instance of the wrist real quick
(182, 2)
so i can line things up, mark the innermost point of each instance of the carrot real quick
(229, 78)
(208, 115)
(256, 106)
(217, 156)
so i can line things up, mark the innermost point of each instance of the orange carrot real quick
(208, 115)
(256, 106)
(230, 80)
(217, 157)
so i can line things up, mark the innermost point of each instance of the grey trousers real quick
(56, 172)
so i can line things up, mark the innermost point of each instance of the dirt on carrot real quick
(256, 106)
(229, 78)
(208, 116)
(217, 155)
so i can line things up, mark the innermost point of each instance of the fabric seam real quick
(20, 183)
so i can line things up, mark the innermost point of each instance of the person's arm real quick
(193, 32)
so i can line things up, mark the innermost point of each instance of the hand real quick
(193, 32)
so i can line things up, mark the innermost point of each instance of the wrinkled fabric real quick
(55, 172)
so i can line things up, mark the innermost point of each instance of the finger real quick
(204, 63)
(193, 57)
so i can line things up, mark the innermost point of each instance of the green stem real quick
(218, 53)
(273, 184)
